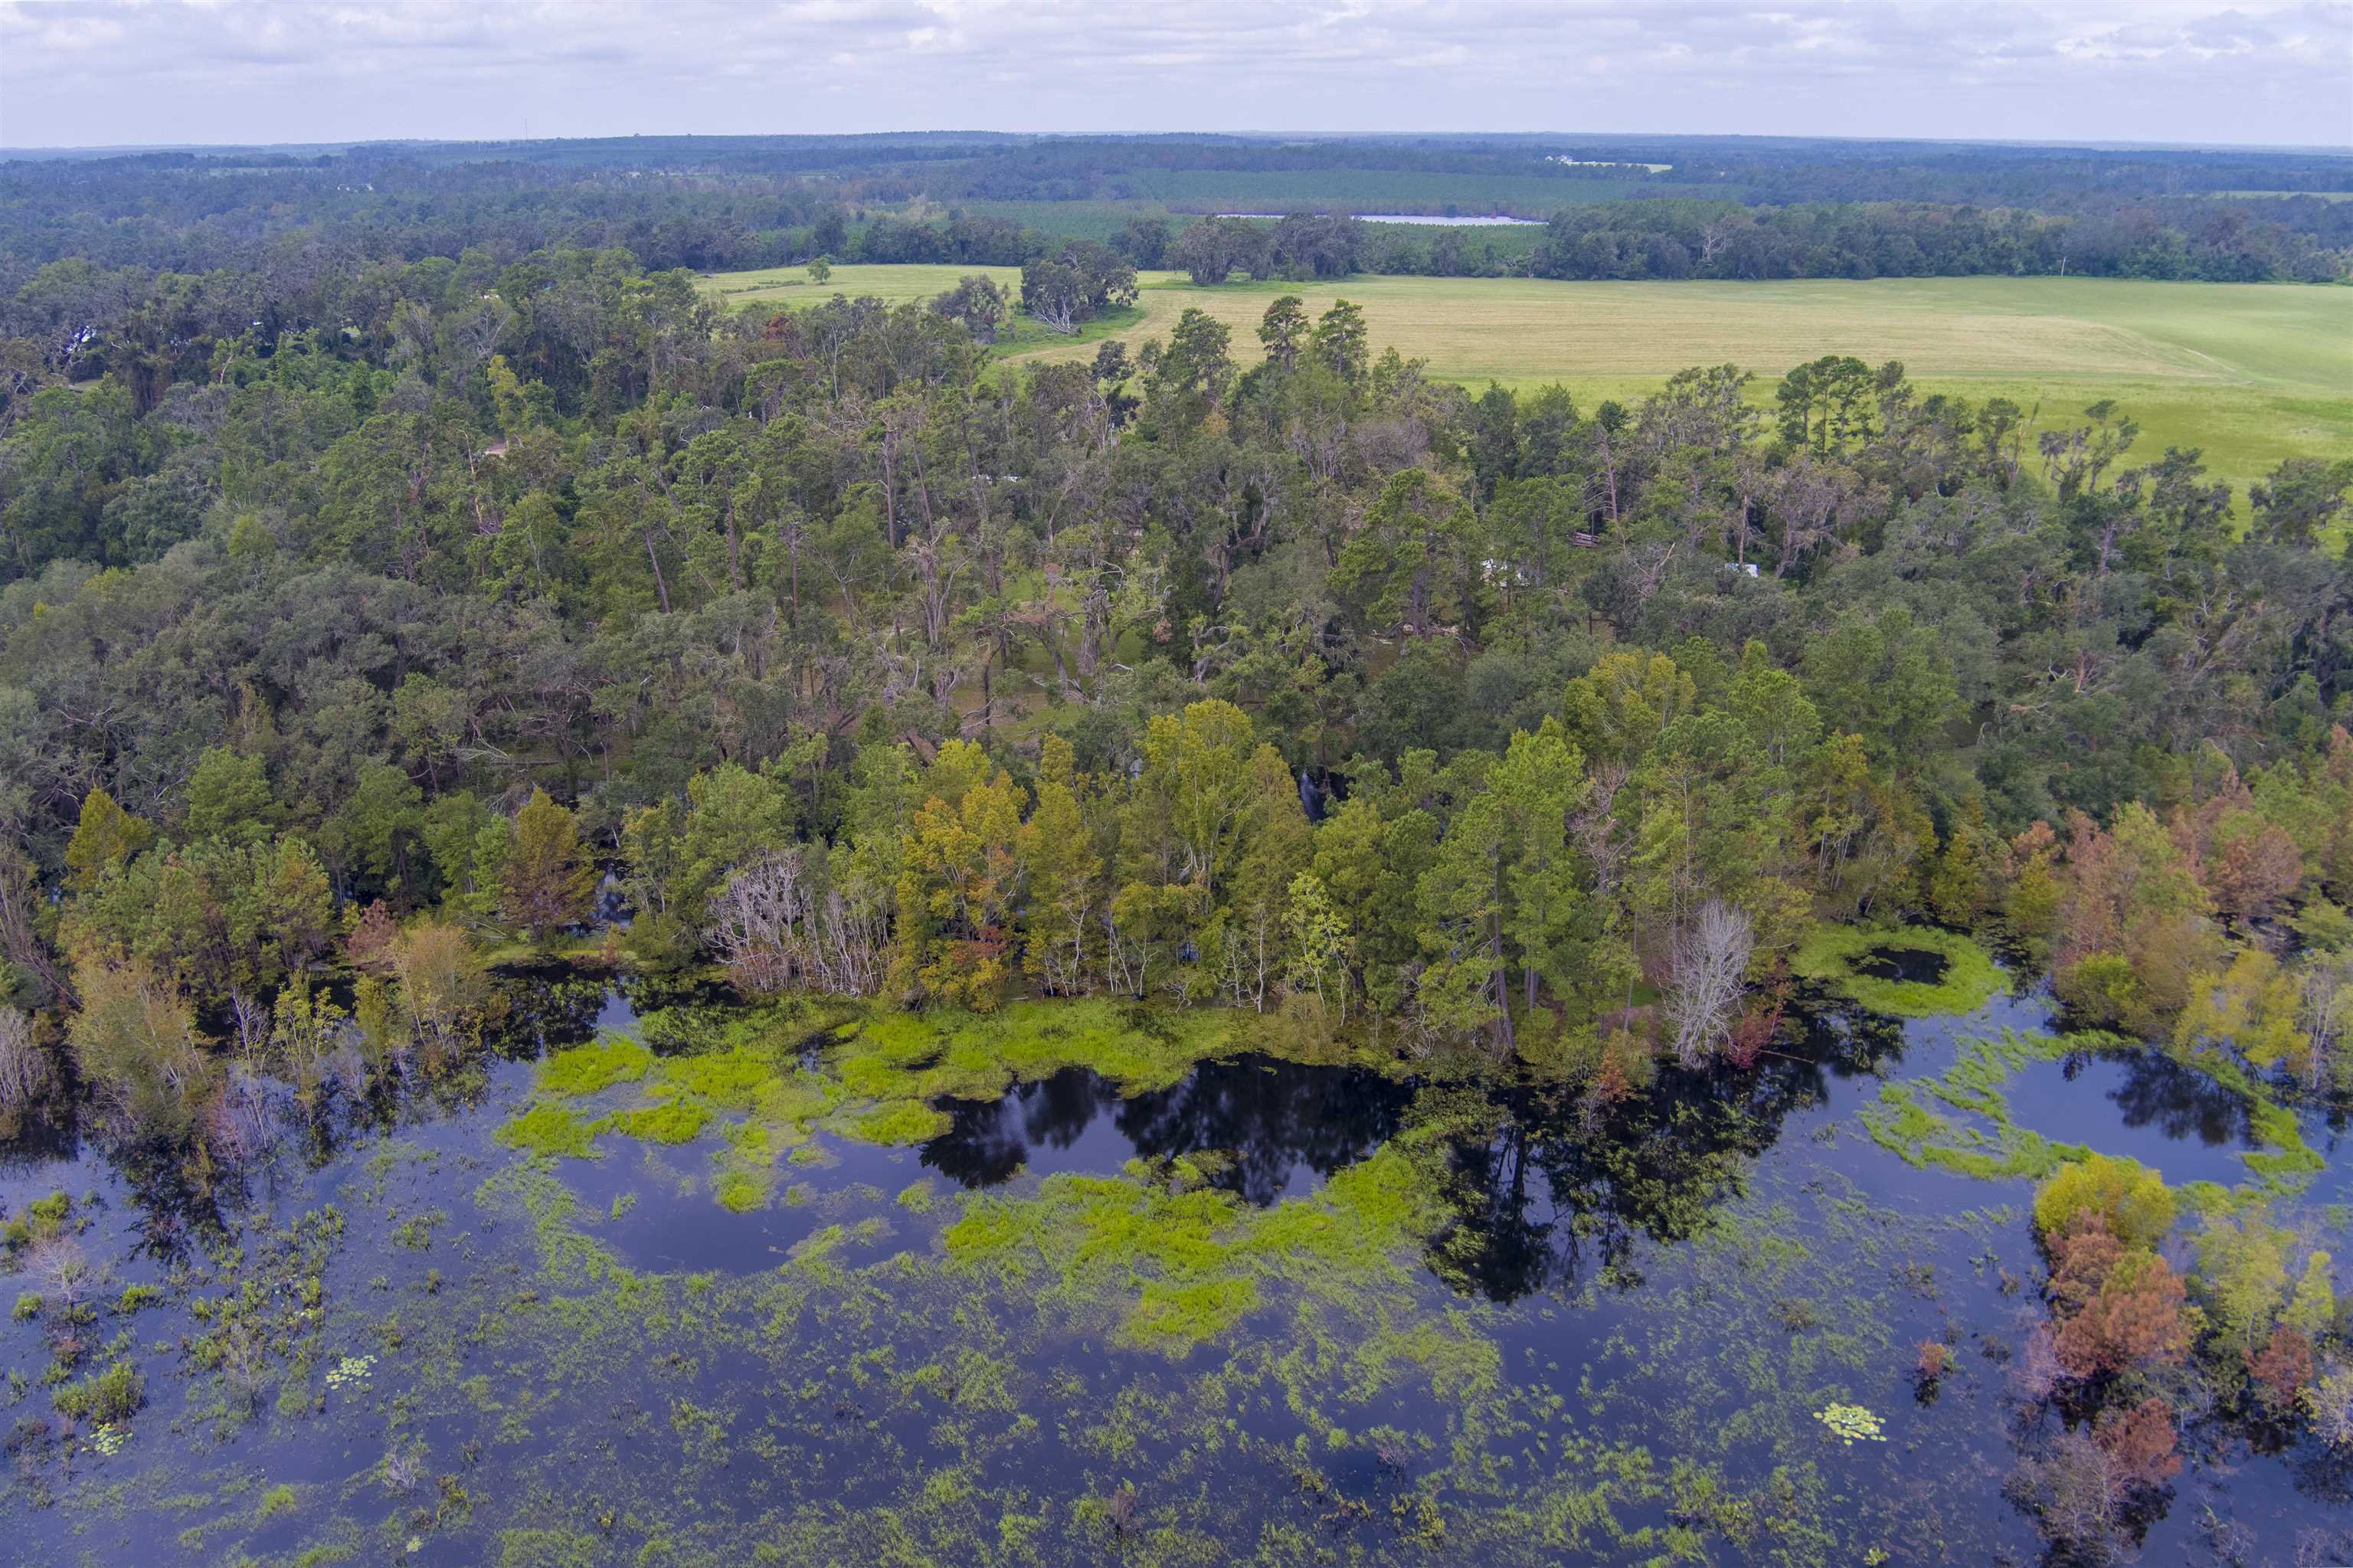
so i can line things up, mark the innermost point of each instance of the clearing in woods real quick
(2251, 373)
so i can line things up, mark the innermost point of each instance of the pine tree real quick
(546, 879)
(106, 835)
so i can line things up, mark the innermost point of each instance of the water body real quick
(596, 1361)
(1493, 220)
(1913, 966)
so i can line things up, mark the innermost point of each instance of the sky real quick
(144, 72)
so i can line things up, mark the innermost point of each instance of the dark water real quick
(2168, 1117)
(1287, 1126)
(1694, 1275)
(1913, 966)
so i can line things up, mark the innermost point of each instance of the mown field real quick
(2250, 372)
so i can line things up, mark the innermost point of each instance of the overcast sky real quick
(75, 73)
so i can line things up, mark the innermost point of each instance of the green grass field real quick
(2250, 372)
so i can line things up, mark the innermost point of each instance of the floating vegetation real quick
(879, 1077)
(612, 1059)
(1174, 1262)
(1489, 1331)
(549, 1130)
(1851, 1424)
(1961, 1120)
(1873, 968)
(351, 1371)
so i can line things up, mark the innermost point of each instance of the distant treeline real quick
(723, 204)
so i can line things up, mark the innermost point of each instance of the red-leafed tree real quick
(2139, 1443)
(2282, 1370)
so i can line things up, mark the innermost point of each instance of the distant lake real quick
(1420, 217)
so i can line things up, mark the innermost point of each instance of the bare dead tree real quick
(755, 922)
(62, 1270)
(24, 1065)
(1711, 966)
(775, 926)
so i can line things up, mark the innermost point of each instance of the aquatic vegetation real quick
(586, 1069)
(43, 1219)
(740, 1191)
(1176, 1262)
(900, 1122)
(114, 1394)
(1111, 1366)
(671, 1121)
(1851, 1424)
(1838, 958)
(877, 1078)
(1961, 1119)
(549, 1130)
(1967, 1128)
(351, 1373)
(2286, 1163)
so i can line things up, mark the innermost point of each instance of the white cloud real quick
(89, 71)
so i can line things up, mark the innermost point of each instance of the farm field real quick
(2250, 372)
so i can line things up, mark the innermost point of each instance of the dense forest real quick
(1146, 676)
(376, 607)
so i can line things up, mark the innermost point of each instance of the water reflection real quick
(2143, 1104)
(1546, 1200)
(1553, 1188)
(1287, 1126)
(544, 1008)
(2180, 1101)
(1912, 965)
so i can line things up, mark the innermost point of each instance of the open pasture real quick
(2250, 372)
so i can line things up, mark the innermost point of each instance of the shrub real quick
(136, 1040)
(2130, 1197)
(114, 1394)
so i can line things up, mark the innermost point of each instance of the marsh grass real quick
(1961, 1120)
(877, 1077)
(1832, 956)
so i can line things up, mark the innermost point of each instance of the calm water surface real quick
(1691, 1278)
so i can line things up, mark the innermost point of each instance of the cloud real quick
(81, 72)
